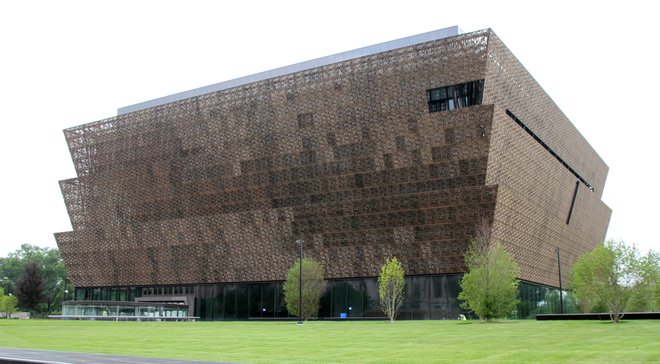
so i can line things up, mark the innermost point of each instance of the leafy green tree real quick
(490, 287)
(608, 274)
(391, 285)
(8, 305)
(646, 292)
(313, 286)
(30, 288)
(10, 270)
(52, 271)
(586, 303)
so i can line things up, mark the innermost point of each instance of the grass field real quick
(354, 342)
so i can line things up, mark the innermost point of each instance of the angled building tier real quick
(398, 149)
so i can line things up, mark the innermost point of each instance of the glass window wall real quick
(426, 297)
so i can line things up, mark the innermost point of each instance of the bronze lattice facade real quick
(395, 153)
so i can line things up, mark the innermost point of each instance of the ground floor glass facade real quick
(538, 299)
(426, 297)
(113, 309)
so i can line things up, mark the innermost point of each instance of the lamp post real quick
(561, 290)
(300, 320)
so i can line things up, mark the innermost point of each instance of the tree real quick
(313, 287)
(8, 305)
(30, 288)
(586, 303)
(55, 280)
(490, 287)
(52, 271)
(391, 284)
(645, 295)
(608, 274)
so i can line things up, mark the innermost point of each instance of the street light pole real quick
(561, 289)
(300, 320)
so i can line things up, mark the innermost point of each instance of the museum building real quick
(199, 199)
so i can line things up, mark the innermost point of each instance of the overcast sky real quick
(66, 63)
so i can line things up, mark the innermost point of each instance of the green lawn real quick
(354, 342)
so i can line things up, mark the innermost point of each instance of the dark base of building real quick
(428, 297)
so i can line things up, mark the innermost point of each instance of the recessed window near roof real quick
(455, 96)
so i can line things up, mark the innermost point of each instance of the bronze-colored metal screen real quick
(536, 175)
(217, 188)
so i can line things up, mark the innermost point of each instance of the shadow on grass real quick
(610, 322)
(470, 322)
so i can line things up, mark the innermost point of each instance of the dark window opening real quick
(307, 143)
(305, 120)
(389, 161)
(330, 137)
(464, 167)
(455, 96)
(359, 181)
(400, 143)
(417, 157)
(412, 126)
(450, 137)
(440, 154)
(365, 133)
(308, 157)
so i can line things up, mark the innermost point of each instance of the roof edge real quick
(298, 67)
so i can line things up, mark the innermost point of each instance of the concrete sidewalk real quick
(13, 355)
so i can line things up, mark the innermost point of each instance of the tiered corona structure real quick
(398, 149)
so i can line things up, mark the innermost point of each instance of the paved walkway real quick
(13, 355)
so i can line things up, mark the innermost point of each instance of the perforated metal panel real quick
(217, 188)
(536, 178)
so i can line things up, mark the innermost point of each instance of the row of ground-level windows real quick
(426, 297)
(130, 293)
